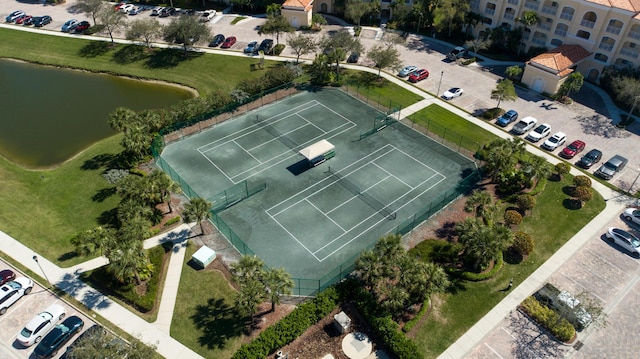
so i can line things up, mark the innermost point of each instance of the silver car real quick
(632, 215)
(624, 239)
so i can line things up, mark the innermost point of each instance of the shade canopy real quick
(317, 149)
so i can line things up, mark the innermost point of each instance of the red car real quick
(82, 26)
(27, 20)
(418, 75)
(6, 275)
(228, 42)
(572, 149)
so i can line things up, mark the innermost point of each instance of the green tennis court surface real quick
(312, 220)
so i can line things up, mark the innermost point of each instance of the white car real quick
(40, 325)
(207, 15)
(70, 25)
(524, 125)
(632, 215)
(407, 70)
(539, 132)
(452, 92)
(10, 292)
(624, 239)
(554, 141)
(126, 8)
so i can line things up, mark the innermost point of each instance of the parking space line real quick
(583, 287)
(607, 261)
(493, 350)
(506, 331)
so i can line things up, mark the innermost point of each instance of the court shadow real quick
(299, 167)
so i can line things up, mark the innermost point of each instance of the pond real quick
(49, 114)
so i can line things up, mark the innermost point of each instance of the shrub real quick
(550, 320)
(562, 168)
(583, 194)
(542, 183)
(173, 220)
(522, 243)
(512, 217)
(477, 277)
(582, 181)
(492, 113)
(413, 321)
(277, 50)
(138, 172)
(526, 202)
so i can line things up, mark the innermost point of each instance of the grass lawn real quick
(452, 127)
(379, 90)
(467, 302)
(204, 318)
(45, 209)
(206, 73)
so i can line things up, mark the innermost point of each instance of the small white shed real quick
(342, 322)
(204, 256)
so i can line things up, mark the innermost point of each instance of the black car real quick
(6, 275)
(167, 11)
(217, 40)
(592, 157)
(266, 45)
(41, 21)
(57, 337)
(353, 58)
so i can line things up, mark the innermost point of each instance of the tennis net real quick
(275, 133)
(366, 198)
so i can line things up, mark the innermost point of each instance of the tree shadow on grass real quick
(129, 54)
(95, 49)
(103, 194)
(109, 218)
(67, 256)
(217, 322)
(107, 160)
(167, 58)
(456, 285)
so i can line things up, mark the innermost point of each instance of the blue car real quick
(507, 118)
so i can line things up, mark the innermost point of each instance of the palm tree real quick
(471, 19)
(197, 210)
(369, 268)
(528, 18)
(164, 185)
(122, 118)
(126, 259)
(536, 167)
(248, 268)
(129, 209)
(278, 282)
(423, 279)
(249, 297)
(394, 299)
(477, 202)
(135, 229)
(93, 240)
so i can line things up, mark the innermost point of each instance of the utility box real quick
(342, 322)
(204, 256)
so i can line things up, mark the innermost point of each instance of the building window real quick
(487, 20)
(607, 44)
(601, 57)
(614, 27)
(513, 2)
(567, 13)
(490, 9)
(556, 42)
(623, 63)
(545, 23)
(550, 7)
(561, 30)
(532, 4)
(474, 4)
(583, 34)
(635, 32)
(589, 20)
(509, 13)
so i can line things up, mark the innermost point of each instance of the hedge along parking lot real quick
(21, 312)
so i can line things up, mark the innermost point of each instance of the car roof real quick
(559, 134)
(594, 152)
(617, 158)
(577, 142)
(511, 112)
(528, 119)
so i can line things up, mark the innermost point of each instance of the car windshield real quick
(540, 129)
(572, 147)
(554, 139)
(26, 332)
(14, 285)
(454, 90)
(635, 242)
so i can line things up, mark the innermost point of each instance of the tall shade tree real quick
(146, 30)
(385, 56)
(186, 30)
(355, 9)
(627, 89)
(276, 24)
(337, 46)
(504, 91)
(197, 210)
(528, 18)
(302, 44)
(91, 8)
(572, 83)
(113, 21)
(277, 282)
(450, 12)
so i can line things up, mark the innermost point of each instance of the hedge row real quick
(549, 319)
(290, 327)
(415, 320)
(477, 277)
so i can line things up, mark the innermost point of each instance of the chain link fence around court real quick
(312, 286)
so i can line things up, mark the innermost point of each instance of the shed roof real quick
(561, 59)
(301, 4)
(317, 149)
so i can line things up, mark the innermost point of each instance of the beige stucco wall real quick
(318, 8)
(303, 17)
(533, 76)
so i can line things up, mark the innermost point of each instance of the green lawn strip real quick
(206, 73)
(468, 302)
(144, 306)
(45, 209)
(384, 93)
(453, 128)
(204, 318)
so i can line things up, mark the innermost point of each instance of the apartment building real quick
(608, 29)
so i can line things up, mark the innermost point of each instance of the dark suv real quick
(611, 167)
(266, 46)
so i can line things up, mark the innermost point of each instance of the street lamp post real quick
(35, 258)
(439, 83)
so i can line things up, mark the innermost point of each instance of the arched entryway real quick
(593, 75)
(538, 85)
(294, 22)
(323, 7)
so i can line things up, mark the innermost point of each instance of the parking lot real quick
(21, 312)
(605, 271)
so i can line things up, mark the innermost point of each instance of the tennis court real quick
(311, 220)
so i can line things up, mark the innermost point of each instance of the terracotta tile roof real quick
(302, 4)
(629, 5)
(562, 58)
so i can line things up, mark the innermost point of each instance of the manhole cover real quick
(578, 345)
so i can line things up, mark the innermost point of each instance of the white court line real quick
(329, 218)
(390, 174)
(309, 122)
(218, 168)
(278, 139)
(328, 178)
(256, 125)
(249, 153)
(294, 237)
(356, 196)
(382, 220)
(493, 350)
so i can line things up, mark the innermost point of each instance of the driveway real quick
(601, 269)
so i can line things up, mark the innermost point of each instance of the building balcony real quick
(629, 52)
(513, 2)
(539, 41)
(544, 26)
(490, 12)
(634, 35)
(549, 10)
(587, 23)
(614, 30)
(605, 47)
(509, 16)
(532, 5)
(560, 33)
(566, 16)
